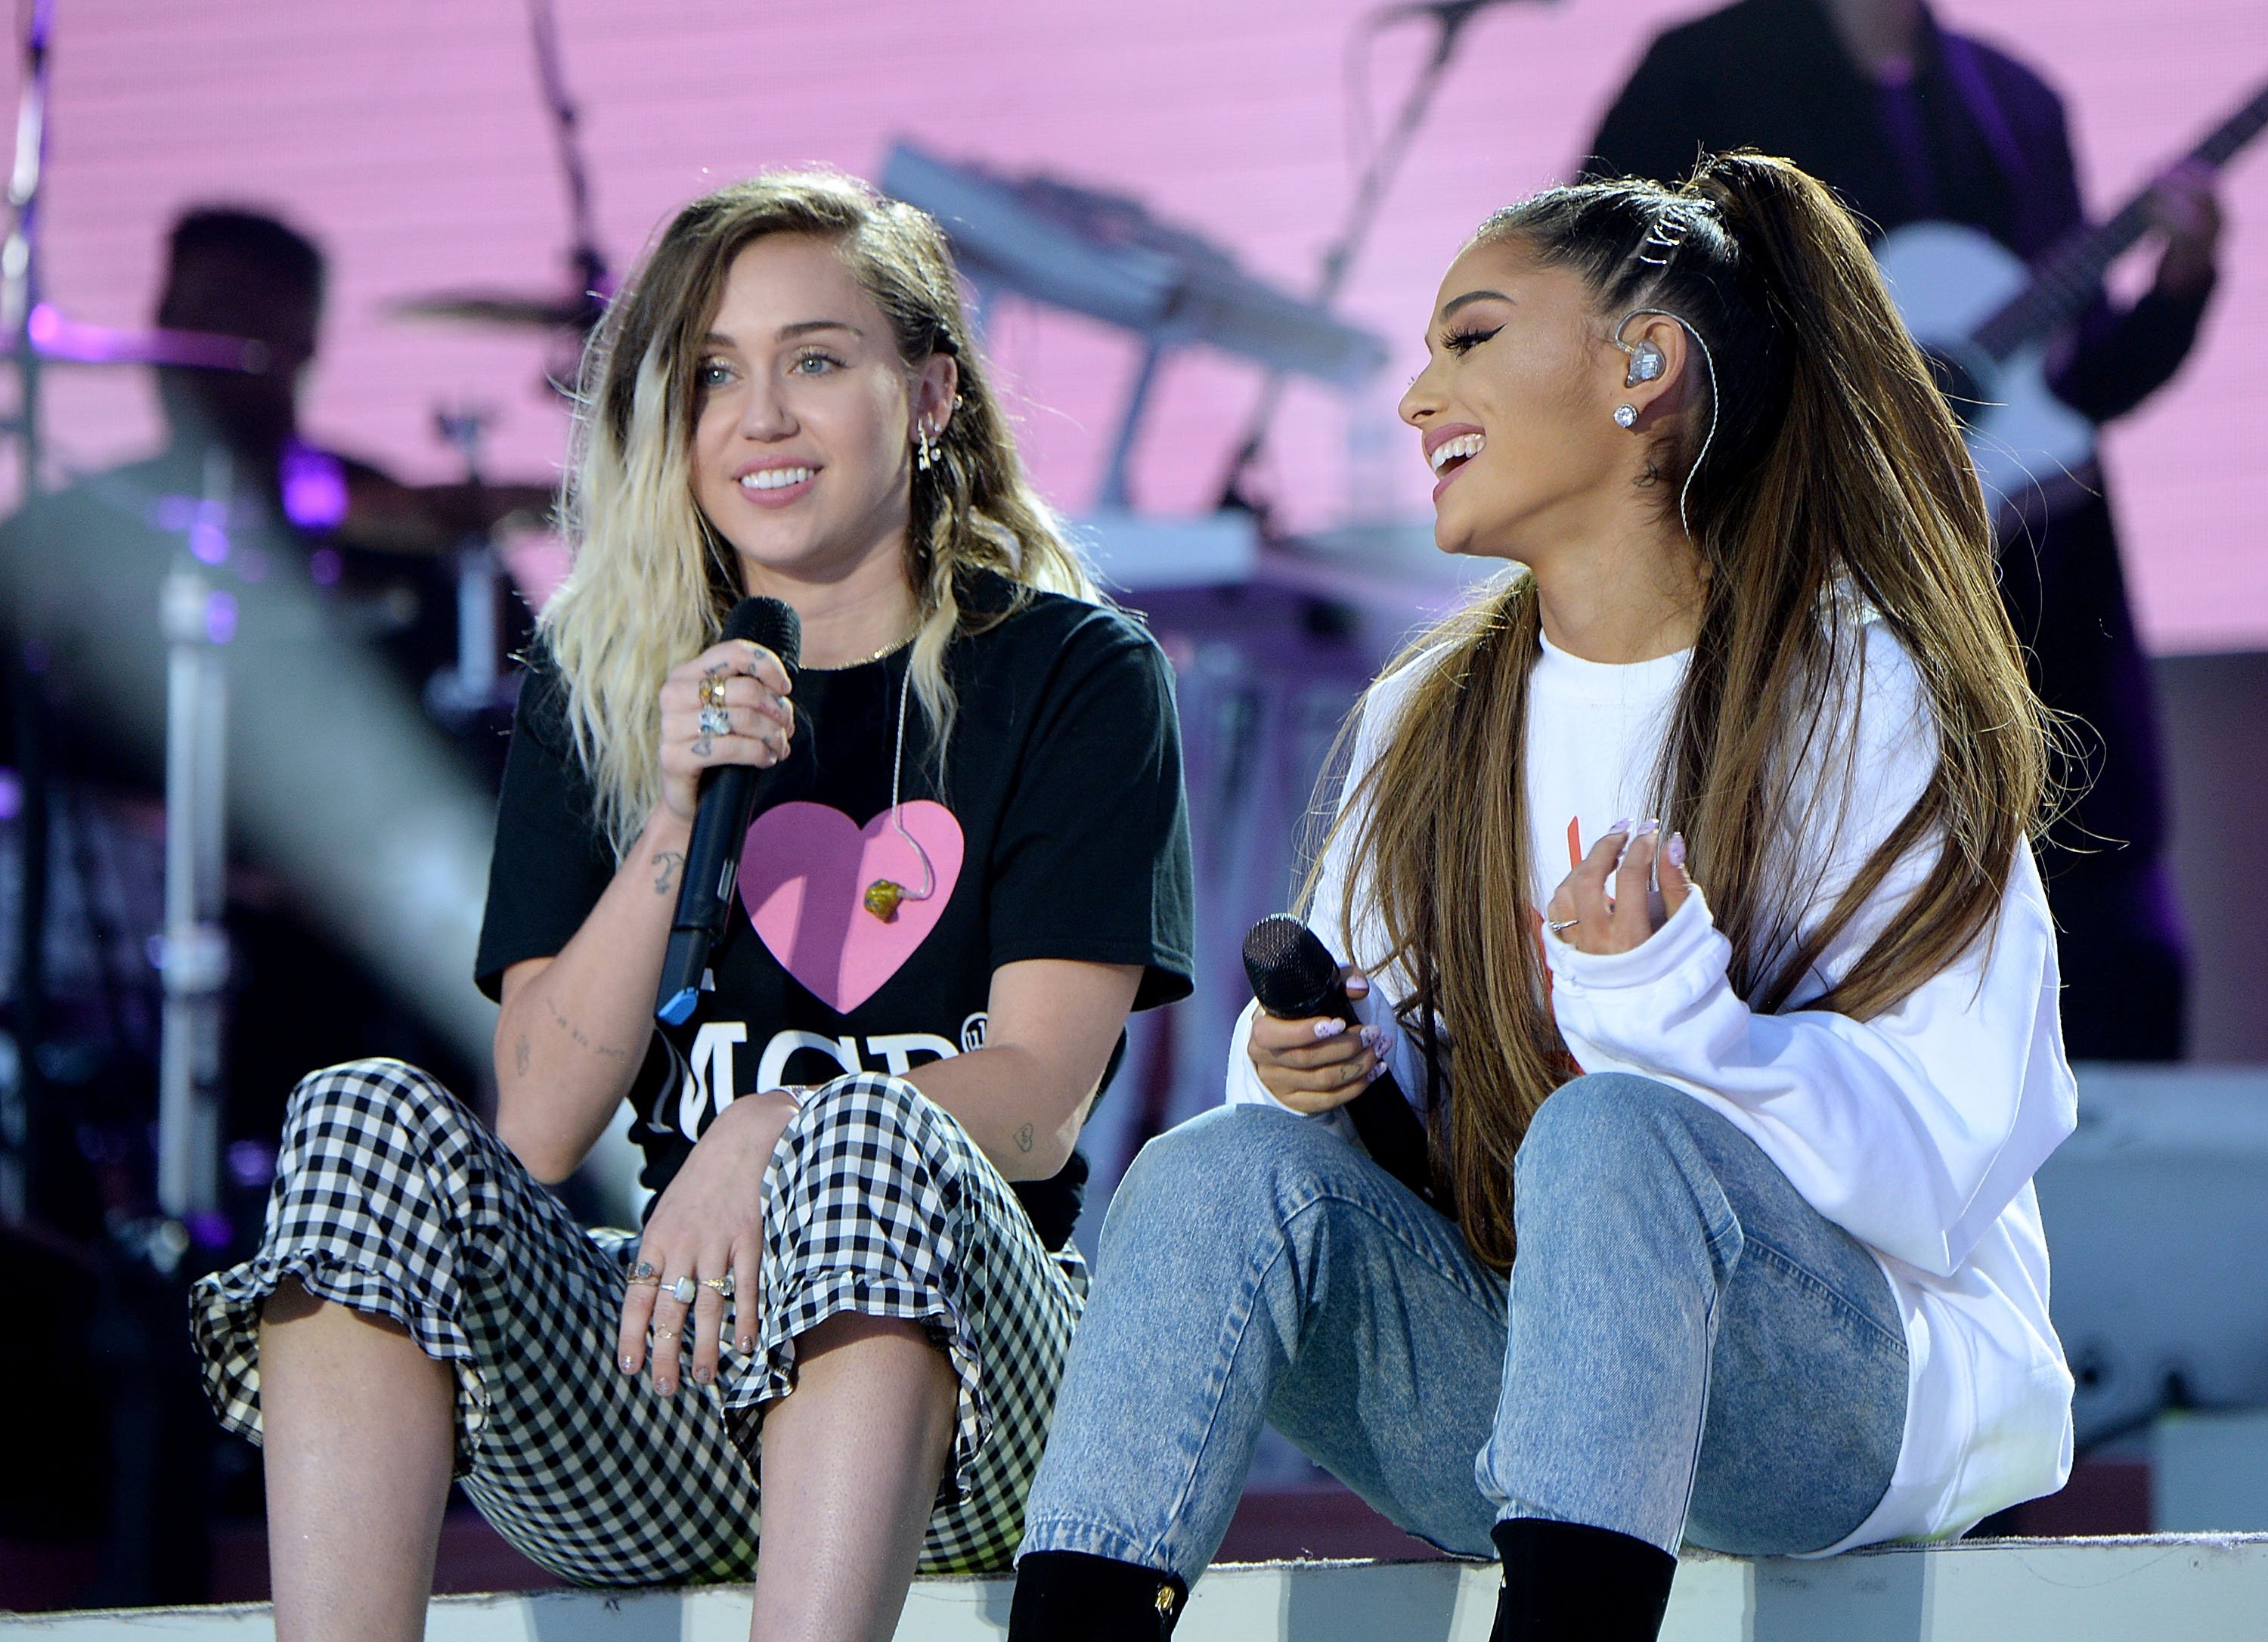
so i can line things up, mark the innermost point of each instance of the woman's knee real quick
(1232, 1157)
(376, 1096)
(1602, 1131)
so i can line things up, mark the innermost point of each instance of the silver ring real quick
(1556, 925)
(683, 1290)
(716, 721)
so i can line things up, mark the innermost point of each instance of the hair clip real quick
(1670, 227)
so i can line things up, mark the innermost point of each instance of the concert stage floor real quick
(2200, 1587)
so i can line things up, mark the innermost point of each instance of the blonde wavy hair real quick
(652, 581)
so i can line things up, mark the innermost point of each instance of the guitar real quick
(1983, 319)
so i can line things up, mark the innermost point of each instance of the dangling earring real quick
(1626, 416)
(924, 449)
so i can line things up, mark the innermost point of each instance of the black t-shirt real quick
(1061, 832)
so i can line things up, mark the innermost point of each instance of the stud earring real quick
(1646, 362)
(926, 449)
(1626, 416)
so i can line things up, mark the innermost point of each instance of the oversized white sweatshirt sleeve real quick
(1912, 1130)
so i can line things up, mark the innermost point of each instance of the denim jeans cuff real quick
(1097, 1539)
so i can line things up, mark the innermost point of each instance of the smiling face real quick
(1516, 408)
(805, 428)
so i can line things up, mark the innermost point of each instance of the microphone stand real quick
(1450, 19)
(593, 284)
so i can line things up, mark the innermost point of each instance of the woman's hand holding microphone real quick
(728, 705)
(1315, 1064)
(703, 1242)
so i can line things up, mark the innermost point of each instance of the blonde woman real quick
(975, 864)
(1746, 1251)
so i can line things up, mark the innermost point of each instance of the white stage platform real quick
(2197, 1587)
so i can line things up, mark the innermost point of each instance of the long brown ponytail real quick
(1837, 478)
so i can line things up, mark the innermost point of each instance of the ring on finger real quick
(644, 1272)
(1555, 925)
(715, 720)
(712, 690)
(683, 1291)
(665, 1334)
(723, 1285)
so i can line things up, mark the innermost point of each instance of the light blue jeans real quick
(1691, 1351)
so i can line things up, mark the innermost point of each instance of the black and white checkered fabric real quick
(392, 1199)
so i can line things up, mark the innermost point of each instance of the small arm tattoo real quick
(1024, 1139)
(665, 873)
(606, 1050)
(519, 1056)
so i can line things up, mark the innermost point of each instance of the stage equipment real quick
(2156, 1212)
(1985, 319)
(713, 857)
(1449, 19)
(575, 313)
(1106, 256)
(197, 619)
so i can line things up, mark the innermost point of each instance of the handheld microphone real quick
(1293, 976)
(728, 800)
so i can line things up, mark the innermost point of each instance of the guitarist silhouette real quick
(1915, 124)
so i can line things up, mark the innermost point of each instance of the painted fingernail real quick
(1329, 1029)
(1358, 983)
(629, 1363)
(1372, 1038)
(702, 1375)
(1675, 850)
(1645, 827)
(1621, 826)
(1376, 1073)
(746, 1344)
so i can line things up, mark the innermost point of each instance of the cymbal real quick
(513, 310)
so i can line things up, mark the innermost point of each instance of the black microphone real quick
(1294, 977)
(728, 800)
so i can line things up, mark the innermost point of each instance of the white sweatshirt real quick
(1916, 1131)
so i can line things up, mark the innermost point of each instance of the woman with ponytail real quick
(828, 1355)
(1686, 884)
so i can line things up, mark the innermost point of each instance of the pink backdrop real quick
(409, 139)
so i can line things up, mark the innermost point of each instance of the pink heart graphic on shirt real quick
(804, 873)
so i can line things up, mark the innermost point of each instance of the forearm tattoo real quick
(666, 863)
(606, 1050)
(1024, 1139)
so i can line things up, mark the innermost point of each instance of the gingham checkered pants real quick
(392, 1199)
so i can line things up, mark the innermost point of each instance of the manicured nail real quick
(1621, 826)
(746, 1344)
(1376, 1073)
(1356, 984)
(1675, 850)
(1329, 1029)
(702, 1375)
(1645, 827)
(1372, 1038)
(629, 1363)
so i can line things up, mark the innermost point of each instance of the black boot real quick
(1066, 1594)
(1563, 1582)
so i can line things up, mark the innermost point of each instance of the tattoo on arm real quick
(665, 871)
(606, 1050)
(519, 1056)
(1024, 1139)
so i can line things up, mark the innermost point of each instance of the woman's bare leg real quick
(851, 1460)
(358, 1426)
